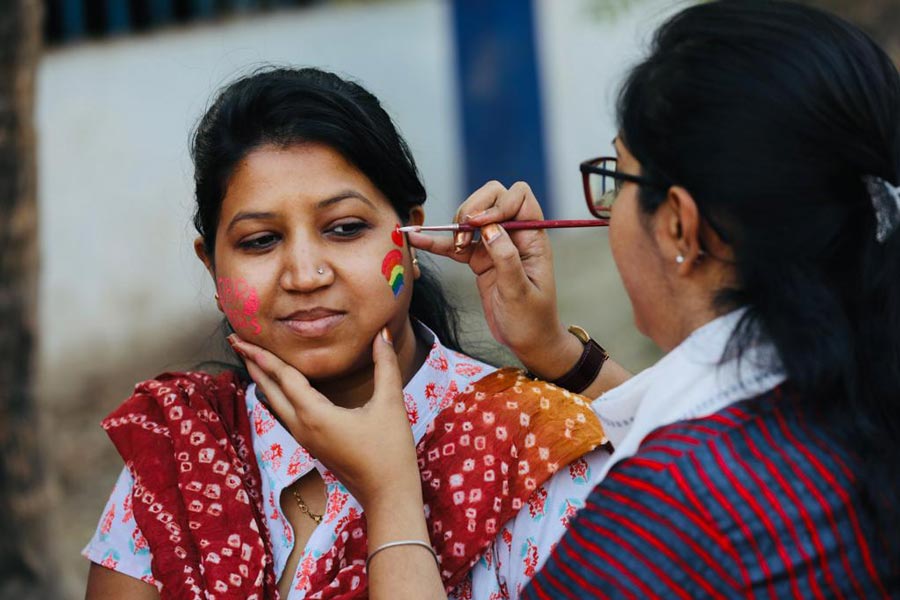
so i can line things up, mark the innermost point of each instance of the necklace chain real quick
(304, 508)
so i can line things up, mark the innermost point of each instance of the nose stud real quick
(320, 270)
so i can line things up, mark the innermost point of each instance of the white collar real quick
(695, 379)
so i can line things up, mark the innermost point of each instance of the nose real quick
(304, 268)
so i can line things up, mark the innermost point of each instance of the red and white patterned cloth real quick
(519, 546)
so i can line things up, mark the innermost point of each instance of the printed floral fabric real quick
(519, 547)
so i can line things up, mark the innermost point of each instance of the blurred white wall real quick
(114, 119)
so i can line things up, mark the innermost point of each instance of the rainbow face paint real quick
(392, 269)
(240, 303)
(392, 265)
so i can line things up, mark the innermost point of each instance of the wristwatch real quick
(585, 371)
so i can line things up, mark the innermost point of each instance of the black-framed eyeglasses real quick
(602, 182)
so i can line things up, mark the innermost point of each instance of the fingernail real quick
(386, 335)
(476, 215)
(458, 241)
(234, 341)
(490, 233)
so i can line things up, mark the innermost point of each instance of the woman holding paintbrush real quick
(755, 231)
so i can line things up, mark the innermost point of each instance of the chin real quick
(326, 364)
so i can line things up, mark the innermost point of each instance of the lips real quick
(314, 322)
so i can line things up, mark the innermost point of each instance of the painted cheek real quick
(392, 265)
(240, 302)
(251, 304)
(392, 269)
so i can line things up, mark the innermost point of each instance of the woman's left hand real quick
(370, 448)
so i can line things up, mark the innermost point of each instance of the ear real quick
(200, 251)
(678, 229)
(416, 217)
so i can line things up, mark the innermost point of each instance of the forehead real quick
(299, 176)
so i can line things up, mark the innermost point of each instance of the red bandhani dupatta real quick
(186, 439)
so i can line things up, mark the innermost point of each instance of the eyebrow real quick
(249, 216)
(344, 195)
(339, 197)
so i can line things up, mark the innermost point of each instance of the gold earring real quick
(216, 296)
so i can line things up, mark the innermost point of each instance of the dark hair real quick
(284, 106)
(770, 114)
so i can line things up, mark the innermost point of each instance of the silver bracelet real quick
(425, 545)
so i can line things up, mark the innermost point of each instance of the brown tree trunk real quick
(26, 562)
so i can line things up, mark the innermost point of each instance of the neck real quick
(354, 389)
(692, 301)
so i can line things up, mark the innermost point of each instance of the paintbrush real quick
(511, 225)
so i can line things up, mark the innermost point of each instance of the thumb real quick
(388, 380)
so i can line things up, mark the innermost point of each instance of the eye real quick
(259, 242)
(348, 229)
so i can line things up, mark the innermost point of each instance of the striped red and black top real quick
(753, 501)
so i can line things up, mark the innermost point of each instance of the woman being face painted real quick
(302, 182)
(309, 266)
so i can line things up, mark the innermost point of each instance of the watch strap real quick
(585, 371)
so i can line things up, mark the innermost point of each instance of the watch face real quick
(580, 333)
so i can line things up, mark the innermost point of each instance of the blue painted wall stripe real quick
(499, 93)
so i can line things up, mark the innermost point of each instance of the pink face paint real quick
(392, 269)
(251, 304)
(240, 304)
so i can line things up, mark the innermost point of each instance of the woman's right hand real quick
(514, 274)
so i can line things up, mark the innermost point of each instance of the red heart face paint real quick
(392, 265)
(397, 236)
(240, 303)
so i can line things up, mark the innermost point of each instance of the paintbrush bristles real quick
(418, 228)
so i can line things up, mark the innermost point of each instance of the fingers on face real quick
(273, 376)
(388, 379)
